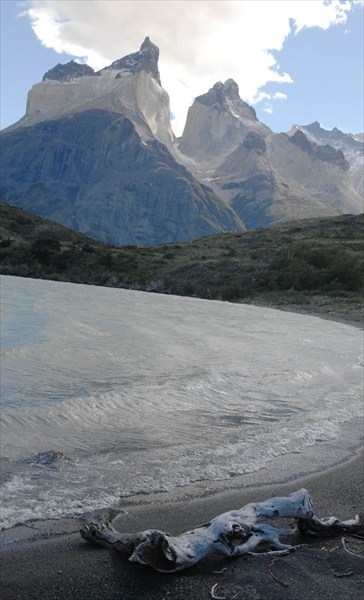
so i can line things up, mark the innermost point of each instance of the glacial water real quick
(108, 393)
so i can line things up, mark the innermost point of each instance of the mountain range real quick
(95, 152)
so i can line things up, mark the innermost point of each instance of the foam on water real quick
(108, 393)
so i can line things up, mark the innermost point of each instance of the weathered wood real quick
(232, 533)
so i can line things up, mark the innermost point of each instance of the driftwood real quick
(232, 533)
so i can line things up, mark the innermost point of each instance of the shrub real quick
(106, 259)
(234, 292)
(45, 249)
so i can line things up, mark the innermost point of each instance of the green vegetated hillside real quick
(315, 264)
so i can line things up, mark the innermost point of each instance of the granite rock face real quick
(352, 146)
(129, 86)
(96, 152)
(224, 96)
(265, 177)
(322, 152)
(92, 172)
(217, 122)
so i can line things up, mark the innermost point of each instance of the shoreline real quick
(215, 492)
(63, 566)
(284, 470)
(49, 560)
(354, 318)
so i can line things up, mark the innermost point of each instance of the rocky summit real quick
(217, 122)
(145, 60)
(67, 72)
(95, 151)
(351, 145)
(265, 177)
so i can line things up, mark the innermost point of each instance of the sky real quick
(295, 61)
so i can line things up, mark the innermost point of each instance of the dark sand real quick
(66, 567)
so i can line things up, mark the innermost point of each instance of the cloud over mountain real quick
(201, 41)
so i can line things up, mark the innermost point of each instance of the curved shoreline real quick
(64, 566)
(223, 495)
(49, 560)
(281, 470)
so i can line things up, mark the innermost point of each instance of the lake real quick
(108, 393)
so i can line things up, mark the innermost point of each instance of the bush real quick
(234, 292)
(45, 249)
(106, 259)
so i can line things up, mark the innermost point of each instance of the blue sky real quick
(327, 70)
(295, 64)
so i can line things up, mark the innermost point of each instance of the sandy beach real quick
(63, 566)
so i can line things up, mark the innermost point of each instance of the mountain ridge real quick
(352, 146)
(226, 172)
(278, 177)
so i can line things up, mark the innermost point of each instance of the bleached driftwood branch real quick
(232, 534)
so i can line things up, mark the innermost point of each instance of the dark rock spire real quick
(69, 71)
(144, 60)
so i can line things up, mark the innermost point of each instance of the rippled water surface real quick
(108, 393)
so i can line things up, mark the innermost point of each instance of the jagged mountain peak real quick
(97, 152)
(220, 91)
(68, 71)
(318, 133)
(146, 59)
(148, 46)
(225, 97)
(315, 127)
(218, 122)
(351, 145)
(130, 86)
(323, 152)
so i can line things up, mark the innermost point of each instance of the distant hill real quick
(316, 265)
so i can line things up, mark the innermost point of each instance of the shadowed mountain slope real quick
(92, 172)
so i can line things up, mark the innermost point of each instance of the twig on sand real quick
(343, 540)
(343, 574)
(355, 535)
(274, 577)
(214, 595)
(219, 572)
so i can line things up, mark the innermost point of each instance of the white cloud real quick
(261, 97)
(200, 41)
(279, 96)
(268, 100)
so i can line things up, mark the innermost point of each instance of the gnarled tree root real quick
(232, 533)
